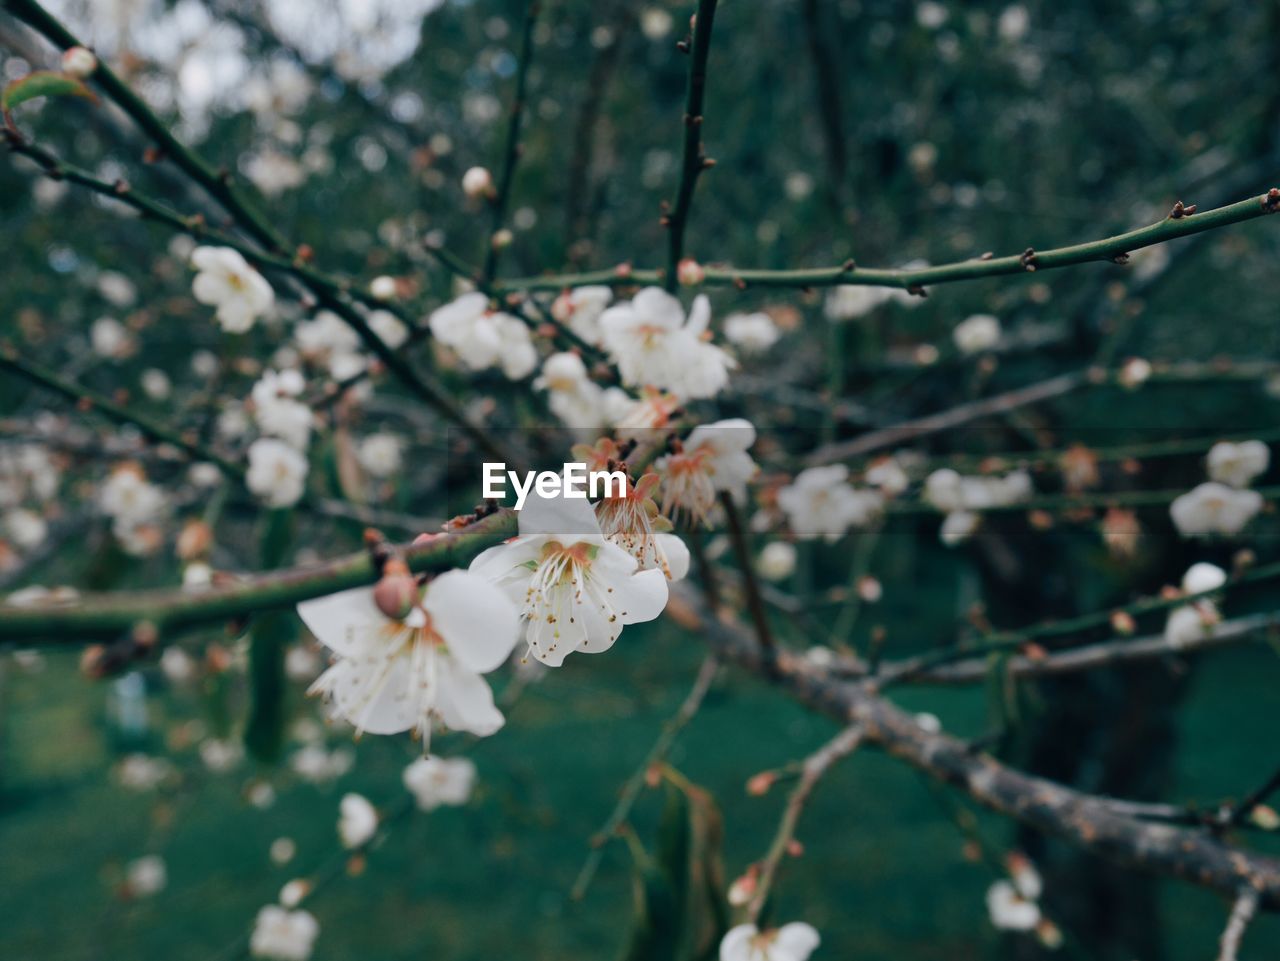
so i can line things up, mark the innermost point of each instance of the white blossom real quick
(777, 561)
(277, 472)
(109, 338)
(357, 820)
(575, 589)
(1009, 910)
(791, 942)
(580, 308)
(383, 287)
(1190, 622)
(283, 935)
(25, 528)
(225, 280)
(390, 329)
(1202, 577)
(751, 333)
(156, 384)
(484, 338)
(820, 502)
(477, 182)
(654, 344)
(79, 62)
(713, 459)
(850, 301)
(976, 333)
(277, 410)
(1214, 508)
(146, 876)
(219, 755)
(399, 675)
(380, 454)
(958, 526)
(436, 781)
(1238, 464)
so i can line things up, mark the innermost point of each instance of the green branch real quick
(93, 616)
(1110, 249)
(86, 399)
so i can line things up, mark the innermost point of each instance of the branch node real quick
(1029, 260)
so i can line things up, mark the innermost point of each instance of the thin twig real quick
(511, 150)
(1242, 912)
(814, 767)
(694, 161)
(631, 789)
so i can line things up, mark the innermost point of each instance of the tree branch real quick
(1090, 822)
(694, 160)
(92, 616)
(1027, 262)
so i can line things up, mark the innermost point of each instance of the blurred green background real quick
(935, 131)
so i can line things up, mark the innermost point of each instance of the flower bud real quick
(1134, 373)
(195, 540)
(502, 239)
(690, 273)
(79, 63)
(477, 182)
(396, 593)
(383, 288)
(1265, 817)
(1122, 622)
(742, 890)
(758, 784)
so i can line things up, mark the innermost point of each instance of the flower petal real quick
(465, 701)
(566, 518)
(344, 620)
(796, 941)
(640, 597)
(474, 617)
(677, 552)
(374, 694)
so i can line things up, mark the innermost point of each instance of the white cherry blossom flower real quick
(78, 62)
(1009, 910)
(26, 529)
(437, 781)
(777, 560)
(571, 394)
(1238, 464)
(1202, 577)
(277, 472)
(851, 301)
(315, 765)
(977, 333)
(791, 942)
(1214, 508)
(580, 309)
(390, 329)
(110, 338)
(1190, 622)
(146, 876)
(283, 935)
(958, 526)
(575, 589)
(225, 280)
(713, 459)
(357, 820)
(820, 502)
(399, 675)
(751, 333)
(277, 410)
(477, 182)
(325, 335)
(889, 476)
(380, 454)
(482, 337)
(654, 344)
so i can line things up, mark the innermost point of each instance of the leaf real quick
(655, 933)
(43, 83)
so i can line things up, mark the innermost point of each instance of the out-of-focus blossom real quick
(225, 280)
(436, 781)
(277, 472)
